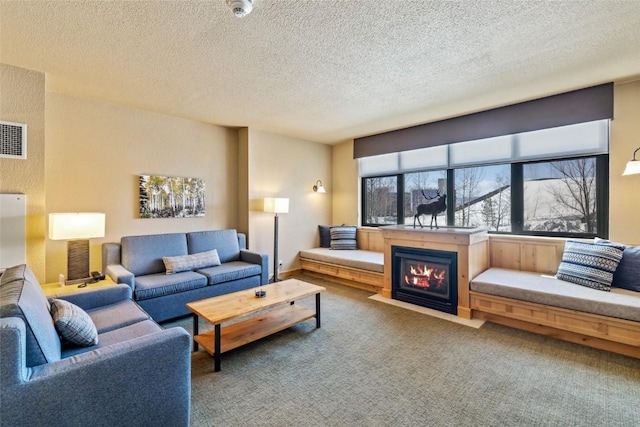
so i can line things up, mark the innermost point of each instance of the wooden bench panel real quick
(362, 279)
(619, 335)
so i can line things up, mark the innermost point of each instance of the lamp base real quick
(77, 259)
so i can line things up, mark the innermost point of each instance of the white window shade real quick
(379, 165)
(583, 138)
(424, 158)
(482, 151)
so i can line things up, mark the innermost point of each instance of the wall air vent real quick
(13, 140)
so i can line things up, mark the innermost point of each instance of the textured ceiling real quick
(322, 70)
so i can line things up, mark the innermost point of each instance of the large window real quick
(561, 196)
(549, 182)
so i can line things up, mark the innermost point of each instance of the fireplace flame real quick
(424, 276)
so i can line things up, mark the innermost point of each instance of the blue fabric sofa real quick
(140, 262)
(137, 374)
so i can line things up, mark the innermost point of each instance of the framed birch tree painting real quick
(171, 197)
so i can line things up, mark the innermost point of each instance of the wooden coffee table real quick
(226, 308)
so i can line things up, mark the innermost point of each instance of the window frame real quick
(517, 197)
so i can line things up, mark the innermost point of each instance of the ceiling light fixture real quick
(240, 8)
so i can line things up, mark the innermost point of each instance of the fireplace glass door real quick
(425, 277)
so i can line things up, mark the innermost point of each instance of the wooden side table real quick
(52, 289)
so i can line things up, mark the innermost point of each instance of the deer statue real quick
(433, 208)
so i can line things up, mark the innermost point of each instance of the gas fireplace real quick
(425, 277)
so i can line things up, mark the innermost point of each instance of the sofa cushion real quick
(125, 333)
(157, 285)
(589, 264)
(143, 254)
(118, 315)
(21, 296)
(546, 290)
(181, 263)
(230, 271)
(343, 237)
(73, 323)
(224, 241)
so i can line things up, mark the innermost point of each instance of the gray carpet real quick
(373, 364)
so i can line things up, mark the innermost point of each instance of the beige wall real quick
(281, 166)
(22, 100)
(346, 185)
(624, 197)
(95, 152)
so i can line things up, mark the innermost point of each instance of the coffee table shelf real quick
(255, 328)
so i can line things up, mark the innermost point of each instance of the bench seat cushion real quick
(364, 260)
(230, 271)
(546, 290)
(157, 285)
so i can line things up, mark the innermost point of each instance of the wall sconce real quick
(319, 188)
(77, 228)
(633, 165)
(276, 206)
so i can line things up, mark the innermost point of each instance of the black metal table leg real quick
(317, 310)
(216, 346)
(195, 332)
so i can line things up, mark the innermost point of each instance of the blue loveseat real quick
(167, 271)
(137, 373)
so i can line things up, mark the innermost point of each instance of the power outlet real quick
(279, 263)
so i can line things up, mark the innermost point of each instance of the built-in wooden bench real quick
(362, 268)
(524, 254)
(543, 255)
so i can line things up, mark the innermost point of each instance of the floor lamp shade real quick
(276, 205)
(77, 229)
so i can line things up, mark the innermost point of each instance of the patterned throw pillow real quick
(344, 238)
(589, 264)
(176, 264)
(73, 323)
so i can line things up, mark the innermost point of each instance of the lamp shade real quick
(633, 167)
(70, 226)
(276, 205)
(319, 188)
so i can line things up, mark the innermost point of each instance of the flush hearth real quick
(425, 277)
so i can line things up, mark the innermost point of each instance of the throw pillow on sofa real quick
(73, 323)
(177, 264)
(589, 264)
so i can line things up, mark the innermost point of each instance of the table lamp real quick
(77, 229)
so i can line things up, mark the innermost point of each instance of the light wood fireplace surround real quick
(471, 245)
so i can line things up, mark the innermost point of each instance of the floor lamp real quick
(276, 206)
(77, 228)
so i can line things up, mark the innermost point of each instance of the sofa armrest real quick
(143, 381)
(119, 274)
(257, 258)
(98, 297)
